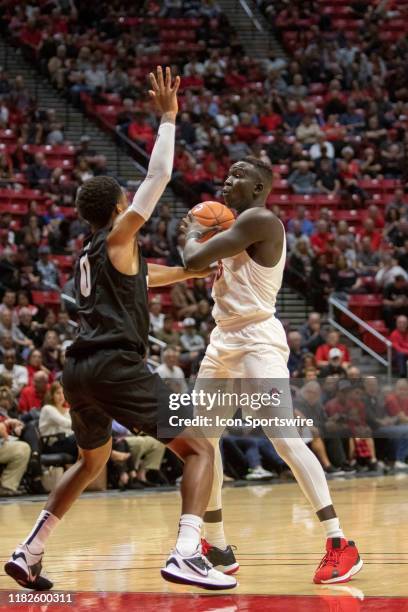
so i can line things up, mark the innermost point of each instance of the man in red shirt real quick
(321, 238)
(370, 231)
(397, 402)
(269, 120)
(32, 396)
(399, 339)
(332, 341)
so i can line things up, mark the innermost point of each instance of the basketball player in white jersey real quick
(249, 343)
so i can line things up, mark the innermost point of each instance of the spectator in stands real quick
(328, 450)
(403, 256)
(368, 259)
(300, 216)
(279, 150)
(14, 455)
(33, 395)
(183, 300)
(51, 352)
(192, 345)
(383, 425)
(397, 402)
(146, 456)
(141, 131)
(295, 361)
(395, 300)
(388, 271)
(31, 329)
(8, 303)
(398, 203)
(308, 131)
(55, 424)
(168, 334)
(345, 279)
(35, 364)
(46, 270)
(369, 230)
(82, 172)
(322, 150)
(334, 367)
(252, 449)
(237, 149)
(363, 443)
(171, 371)
(311, 332)
(18, 373)
(38, 174)
(296, 234)
(7, 327)
(159, 243)
(399, 233)
(300, 263)
(332, 341)
(156, 314)
(327, 178)
(320, 283)
(117, 80)
(303, 181)
(399, 339)
(320, 237)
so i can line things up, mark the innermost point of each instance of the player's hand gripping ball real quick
(212, 214)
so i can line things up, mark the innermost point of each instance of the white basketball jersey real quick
(244, 291)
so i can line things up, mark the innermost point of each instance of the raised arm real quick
(254, 225)
(160, 276)
(164, 94)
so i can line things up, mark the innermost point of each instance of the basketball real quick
(212, 214)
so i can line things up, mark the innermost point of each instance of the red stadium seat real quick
(46, 298)
(367, 307)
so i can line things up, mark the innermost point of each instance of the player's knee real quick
(93, 461)
(287, 447)
(207, 449)
(194, 446)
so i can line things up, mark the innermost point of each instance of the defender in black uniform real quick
(105, 376)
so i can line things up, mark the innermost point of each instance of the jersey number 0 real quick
(85, 270)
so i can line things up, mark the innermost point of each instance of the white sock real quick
(189, 534)
(332, 528)
(42, 530)
(214, 534)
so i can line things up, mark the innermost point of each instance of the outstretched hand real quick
(164, 91)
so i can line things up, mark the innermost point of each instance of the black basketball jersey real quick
(112, 307)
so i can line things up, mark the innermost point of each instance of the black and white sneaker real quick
(222, 560)
(196, 571)
(26, 569)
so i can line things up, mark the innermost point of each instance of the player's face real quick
(240, 186)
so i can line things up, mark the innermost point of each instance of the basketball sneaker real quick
(222, 560)
(26, 569)
(340, 562)
(196, 571)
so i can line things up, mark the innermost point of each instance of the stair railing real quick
(336, 305)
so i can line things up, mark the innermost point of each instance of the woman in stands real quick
(55, 424)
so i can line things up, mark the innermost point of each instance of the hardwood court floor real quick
(119, 543)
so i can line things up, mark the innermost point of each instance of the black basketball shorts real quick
(114, 385)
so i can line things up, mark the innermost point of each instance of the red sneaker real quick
(222, 560)
(340, 562)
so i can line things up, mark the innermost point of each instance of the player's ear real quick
(258, 188)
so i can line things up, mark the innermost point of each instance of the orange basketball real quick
(212, 214)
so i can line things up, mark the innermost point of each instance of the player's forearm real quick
(160, 276)
(159, 170)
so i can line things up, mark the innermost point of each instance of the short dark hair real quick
(264, 170)
(96, 200)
